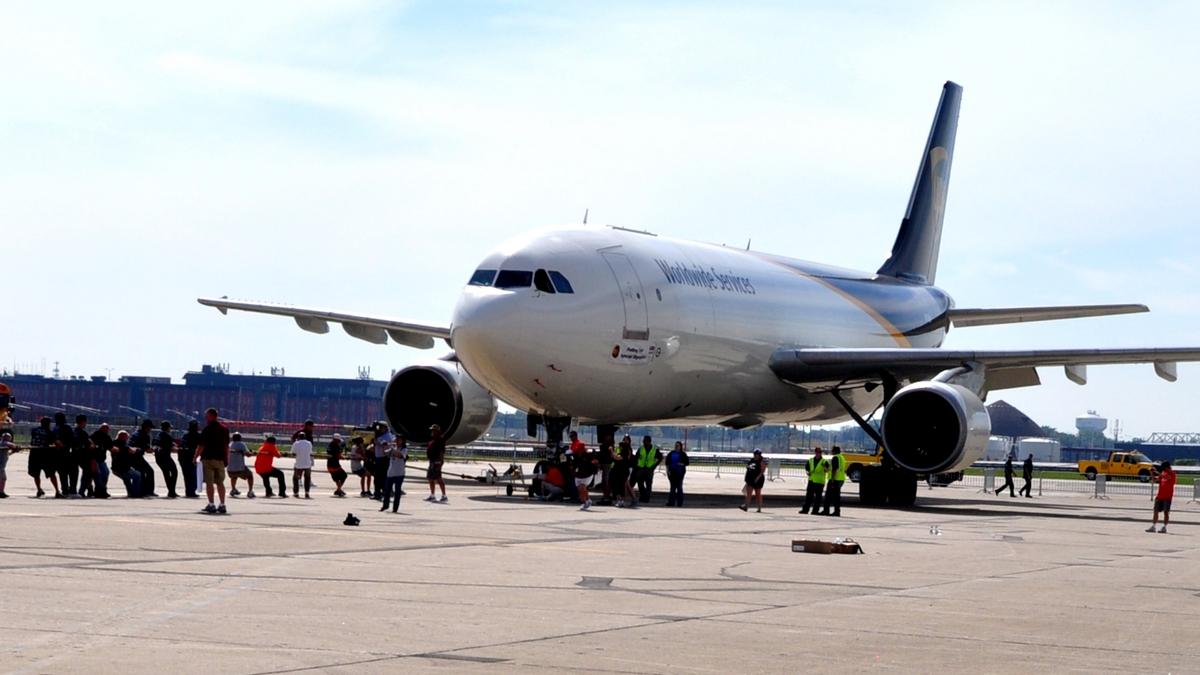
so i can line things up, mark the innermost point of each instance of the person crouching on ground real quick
(264, 466)
(122, 465)
(238, 451)
(586, 467)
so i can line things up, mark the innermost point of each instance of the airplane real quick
(608, 326)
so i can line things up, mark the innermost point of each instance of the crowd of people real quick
(78, 462)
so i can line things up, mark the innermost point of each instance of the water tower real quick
(1091, 422)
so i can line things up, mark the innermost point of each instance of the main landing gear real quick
(886, 484)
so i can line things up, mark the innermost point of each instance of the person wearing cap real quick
(756, 470)
(1165, 477)
(333, 464)
(817, 468)
(7, 447)
(384, 440)
(164, 445)
(238, 451)
(435, 452)
(102, 443)
(837, 478)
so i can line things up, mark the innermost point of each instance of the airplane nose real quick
(484, 321)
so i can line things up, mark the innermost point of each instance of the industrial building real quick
(274, 397)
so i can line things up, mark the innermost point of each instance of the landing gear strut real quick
(886, 484)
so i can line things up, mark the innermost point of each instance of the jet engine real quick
(935, 427)
(442, 394)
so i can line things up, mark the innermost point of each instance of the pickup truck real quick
(1130, 464)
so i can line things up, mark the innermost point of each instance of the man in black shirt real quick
(1027, 475)
(187, 459)
(436, 453)
(81, 457)
(102, 443)
(1008, 478)
(41, 456)
(141, 443)
(213, 450)
(163, 445)
(68, 471)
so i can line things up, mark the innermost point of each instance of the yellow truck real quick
(1127, 464)
(855, 461)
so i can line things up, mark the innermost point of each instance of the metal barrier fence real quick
(1102, 487)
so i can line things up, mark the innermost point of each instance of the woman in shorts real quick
(333, 462)
(756, 477)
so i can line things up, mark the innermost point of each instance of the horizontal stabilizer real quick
(962, 318)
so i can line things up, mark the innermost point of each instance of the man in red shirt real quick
(1165, 477)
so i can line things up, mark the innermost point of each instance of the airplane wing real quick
(1005, 368)
(962, 318)
(370, 328)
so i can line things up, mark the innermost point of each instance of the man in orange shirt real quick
(1165, 477)
(264, 466)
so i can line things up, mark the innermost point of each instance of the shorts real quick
(214, 471)
(583, 482)
(757, 484)
(240, 473)
(435, 472)
(1162, 505)
(338, 475)
(40, 463)
(359, 472)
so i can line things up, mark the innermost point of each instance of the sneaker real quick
(443, 500)
(758, 510)
(221, 509)
(172, 496)
(383, 508)
(210, 509)
(234, 492)
(41, 493)
(586, 505)
(1150, 529)
(364, 493)
(431, 498)
(270, 494)
(306, 496)
(59, 495)
(1163, 530)
(283, 495)
(743, 507)
(250, 494)
(3, 495)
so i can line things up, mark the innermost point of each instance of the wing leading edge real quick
(372, 329)
(1012, 368)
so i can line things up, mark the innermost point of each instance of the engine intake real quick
(934, 427)
(442, 394)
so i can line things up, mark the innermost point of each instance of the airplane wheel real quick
(901, 489)
(872, 486)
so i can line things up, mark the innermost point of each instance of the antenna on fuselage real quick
(585, 212)
(748, 244)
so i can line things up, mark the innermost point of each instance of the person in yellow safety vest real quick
(648, 458)
(837, 478)
(818, 473)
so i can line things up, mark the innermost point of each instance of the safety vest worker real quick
(818, 470)
(647, 456)
(839, 471)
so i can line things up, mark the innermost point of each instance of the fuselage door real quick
(637, 323)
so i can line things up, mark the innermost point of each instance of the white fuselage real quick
(659, 329)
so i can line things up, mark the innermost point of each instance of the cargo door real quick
(637, 321)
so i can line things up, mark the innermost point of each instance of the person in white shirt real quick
(397, 464)
(302, 449)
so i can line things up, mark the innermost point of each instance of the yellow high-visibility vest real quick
(818, 471)
(839, 473)
(645, 456)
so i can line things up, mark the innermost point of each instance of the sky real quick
(364, 156)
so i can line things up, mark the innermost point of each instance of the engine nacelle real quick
(934, 427)
(442, 394)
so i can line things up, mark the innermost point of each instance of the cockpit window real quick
(541, 281)
(560, 282)
(482, 278)
(514, 279)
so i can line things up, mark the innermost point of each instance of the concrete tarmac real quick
(489, 583)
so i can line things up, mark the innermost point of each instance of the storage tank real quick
(1042, 449)
(1091, 422)
(998, 448)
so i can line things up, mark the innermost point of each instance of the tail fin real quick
(915, 253)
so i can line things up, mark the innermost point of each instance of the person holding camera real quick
(1165, 477)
